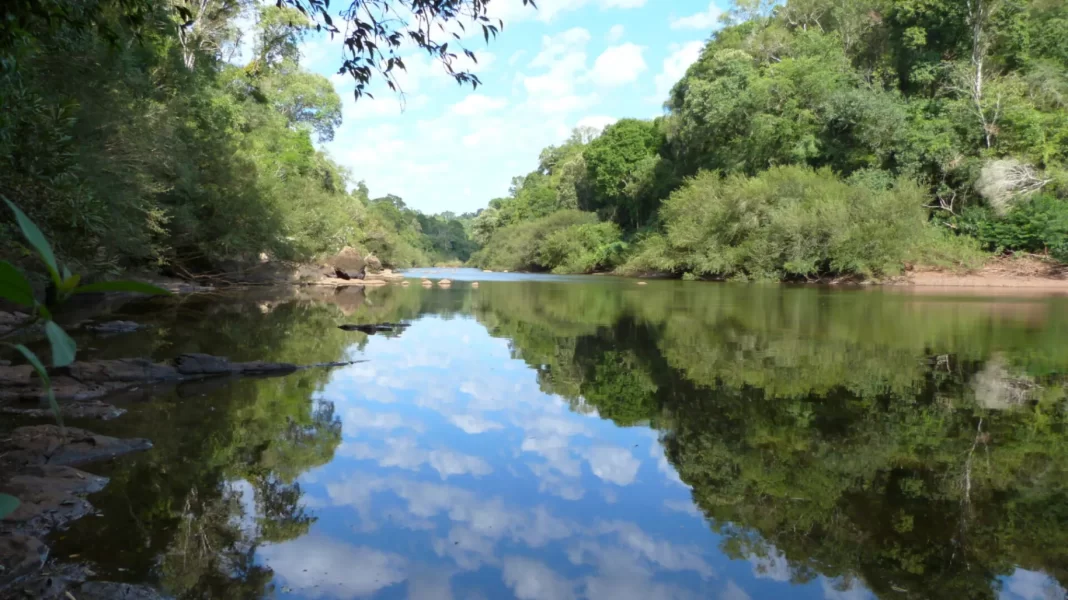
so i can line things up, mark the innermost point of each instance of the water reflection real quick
(592, 439)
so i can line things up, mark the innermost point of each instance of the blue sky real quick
(569, 63)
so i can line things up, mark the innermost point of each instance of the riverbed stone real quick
(20, 555)
(99, 590)
(113, 327)
(50, 497)
(89, 409)
(36, 445)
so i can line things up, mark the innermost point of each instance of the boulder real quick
(349, 260)
(374, 265)
(100, 590)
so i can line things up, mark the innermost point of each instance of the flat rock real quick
(99, 590)
(202, 365)
(36, 445)
(49, 583)
(89, 409)
(113, 327)
(50, 497)
(20, 555)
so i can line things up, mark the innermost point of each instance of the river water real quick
(549, 438)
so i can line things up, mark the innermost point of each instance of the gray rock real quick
(48, 445)
(50, 497)
(89, 409)
(20, 555)
(99, 590)
(113, 327)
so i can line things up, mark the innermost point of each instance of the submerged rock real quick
(373, 328)
(37, 445)
(20, 555)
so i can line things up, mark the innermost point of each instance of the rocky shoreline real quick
(38, 463)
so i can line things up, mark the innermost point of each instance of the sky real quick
(569, 63)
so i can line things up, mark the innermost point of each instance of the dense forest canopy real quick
(130, 134)
(817, 137)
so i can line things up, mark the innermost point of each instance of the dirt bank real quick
(1009, 275)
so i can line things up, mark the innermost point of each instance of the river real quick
(545, 438)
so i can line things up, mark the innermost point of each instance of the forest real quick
(811, 139)
(137, 136)
(815, 138)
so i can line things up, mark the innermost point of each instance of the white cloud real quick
(686, 507)
(532, 580)
(320, 567)
(598, 122)
(615, 33)
(1021, 585)
(675, 66)
(612, 464)
(476, 105)
(474, 424)
(404, 453)
(733, 592)
(359, 418)
(772, 565)
(619, 65)
(708, 19)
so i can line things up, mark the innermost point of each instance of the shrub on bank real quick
(568, 241)
(1038, 224)
(787, 223)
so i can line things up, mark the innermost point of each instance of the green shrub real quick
(568, 241)
(1039, 224)
(787, 222)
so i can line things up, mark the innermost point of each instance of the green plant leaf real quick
(8, 505)
(13, 286)
(63, 348)
(69, 283)
(122, 286)
(42, 372)
(37, 240)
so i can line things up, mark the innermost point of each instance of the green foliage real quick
(788, 222)
(1039, 224)
(568, 241)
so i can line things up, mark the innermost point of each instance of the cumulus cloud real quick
(532, 580)
(405, 453)
(474, 424)
(733, 592)
(619, 65)
(615, 33)
(598, 122)
(613, 464)
(675, 65)
(321, 567)
(477, 104)
(709, 19)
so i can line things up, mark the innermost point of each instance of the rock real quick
(50, 583)
(643, 283)
(125, 370)
(349, 260)
(37, 445)
(113, 327)
(20, 555)
(100, 590)
(15, 376)
(373, 328)
(445, 282)
(11, 320)
(486, 271)
(50, 497)
(374, 265)
(205, 365)
(5, 363)
(91, 409)
(474, 284)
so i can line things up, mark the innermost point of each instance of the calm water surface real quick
(549, 438)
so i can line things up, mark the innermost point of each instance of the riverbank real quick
(1030, 273)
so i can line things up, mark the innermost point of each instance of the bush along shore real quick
(818, 140)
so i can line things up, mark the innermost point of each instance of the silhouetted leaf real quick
(8, 505)
(37, 240)
(13, 286)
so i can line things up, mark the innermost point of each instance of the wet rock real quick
(20, 555)
(49, 583)
(374, 265)
(205, 365)
(11, 320)
(5, 363)
(373, 328)
(445, 282)
(99, 590)
(36, 445)
(113, 327)
(91, 409)
(50, 497)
